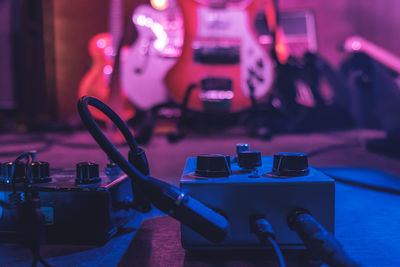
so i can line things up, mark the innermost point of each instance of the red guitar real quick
(102, 79)
(221, 56)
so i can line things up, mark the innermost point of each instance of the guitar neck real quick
(355, 43)
(115, 23)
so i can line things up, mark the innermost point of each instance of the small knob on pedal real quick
(87, 173)
(40, 172)
(10, 169)
(242, 147)
(249, 159)
(112, 169)
(213, 165)
(290, 164)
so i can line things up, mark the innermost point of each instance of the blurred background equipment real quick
(102, 80)
(7, 35)
(27, 63)
(299, 29)
(157, 48)
(214, 71)
(220, 57)
(374, 92)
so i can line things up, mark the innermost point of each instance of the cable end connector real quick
(139, 160)
(321, 243)
(261, 227)
(266, 234)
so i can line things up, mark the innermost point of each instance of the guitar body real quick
(145, 64)
(97, 80)
(222, 56)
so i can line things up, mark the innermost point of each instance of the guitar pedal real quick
(251, 184)
(82, 206)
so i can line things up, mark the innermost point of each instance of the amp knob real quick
(249, 159)
(213, 165)
(39, 172)
(290, 164)
(13, 169)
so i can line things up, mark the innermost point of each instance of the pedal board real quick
(82, 206)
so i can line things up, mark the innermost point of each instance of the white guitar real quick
(145, 64)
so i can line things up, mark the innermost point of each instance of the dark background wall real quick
(75, 22)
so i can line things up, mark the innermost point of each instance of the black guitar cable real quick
(321, 244)
(266, 234)
(31, 220)
(162, 195)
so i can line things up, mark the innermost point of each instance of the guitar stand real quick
(143, 124)
(257, 125)
(256, 122)
(180, 131)
(145, 120)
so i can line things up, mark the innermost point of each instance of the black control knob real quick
(112, 169)
(213, 165)
(87, 173)
(242, 147)
(40, 172)
(249, 159)
(290, 164)
(11, 169)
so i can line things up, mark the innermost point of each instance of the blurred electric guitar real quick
(102, 79)
(359, 44)
(145, 64)
(221, 56)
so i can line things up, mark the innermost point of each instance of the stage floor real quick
(367, 221)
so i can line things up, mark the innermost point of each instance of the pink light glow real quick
(108, 51)
(162, 38)
(158, 30)
(264, 39)
(140, 20)
(108, 69)
(356, 45)
(159, 4)
(215, 95)
(149, 22)
(101, 43)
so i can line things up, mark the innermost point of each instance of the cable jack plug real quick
(262, 228)
(139, 160)
(321, 243)
(266, 234)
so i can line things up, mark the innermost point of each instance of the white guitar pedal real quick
(254, 185)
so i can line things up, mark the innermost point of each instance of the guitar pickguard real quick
(221, 28)
(145, 64)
